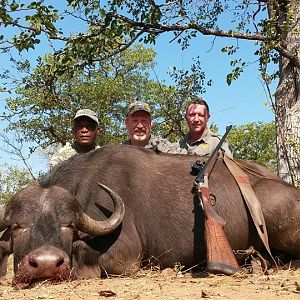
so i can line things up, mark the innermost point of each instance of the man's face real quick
(139, 126)
(197, 118)
(85, 131)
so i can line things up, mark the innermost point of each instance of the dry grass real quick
(166, 285)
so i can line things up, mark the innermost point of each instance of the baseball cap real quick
(138, 105)
(87, 113)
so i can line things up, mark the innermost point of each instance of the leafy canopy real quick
(104, 28)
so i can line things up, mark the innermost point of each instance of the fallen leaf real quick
(107, 293)
(204, 294)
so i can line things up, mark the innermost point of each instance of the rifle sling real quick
(251, 200)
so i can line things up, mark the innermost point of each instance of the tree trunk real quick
(287, 107)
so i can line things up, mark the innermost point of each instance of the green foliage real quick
(236, 72)
(255, 141)
(12, 179)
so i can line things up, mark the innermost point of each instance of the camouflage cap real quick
(138, 105)
(87, 113)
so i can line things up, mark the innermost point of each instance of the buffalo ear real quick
(3, 265)
(4, 220)
(5, 250)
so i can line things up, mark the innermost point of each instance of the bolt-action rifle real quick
(220, 257)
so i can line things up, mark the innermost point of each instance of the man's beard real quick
(140, 136)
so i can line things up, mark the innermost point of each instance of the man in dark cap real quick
(139, 124)
(85, 129)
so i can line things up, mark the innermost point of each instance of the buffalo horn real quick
(94, 227)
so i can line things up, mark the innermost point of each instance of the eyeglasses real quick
(90, 126)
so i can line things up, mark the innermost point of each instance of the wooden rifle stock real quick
(220, 257)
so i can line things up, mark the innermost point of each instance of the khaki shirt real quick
(157, 144)
(203, 146)
(64, 153)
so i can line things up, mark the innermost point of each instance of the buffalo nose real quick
(46, 262)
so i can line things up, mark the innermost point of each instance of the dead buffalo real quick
(52, 231)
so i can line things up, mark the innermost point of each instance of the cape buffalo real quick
(52, 231)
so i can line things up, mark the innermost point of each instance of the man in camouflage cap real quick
(85, 129)
(139, 124)
(199, 140)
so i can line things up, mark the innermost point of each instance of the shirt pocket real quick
(201, 149)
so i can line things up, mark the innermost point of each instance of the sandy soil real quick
(165, 285)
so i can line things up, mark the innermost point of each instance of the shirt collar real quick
(203, 139)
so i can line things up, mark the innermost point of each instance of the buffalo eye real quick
(19, 227)
(70, 226)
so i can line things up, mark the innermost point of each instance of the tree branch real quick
(17, 150)
(289, 55)
(160, 28)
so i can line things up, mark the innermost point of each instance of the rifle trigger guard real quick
(213, 199)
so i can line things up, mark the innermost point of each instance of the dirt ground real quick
(165, 285)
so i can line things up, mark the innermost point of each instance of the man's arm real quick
(62, 154)
(55, 160)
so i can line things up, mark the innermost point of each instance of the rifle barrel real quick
(206, 170)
